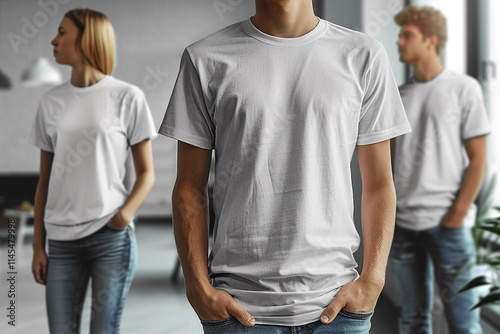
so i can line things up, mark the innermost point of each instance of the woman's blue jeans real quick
(449, 255)
(109, 257)
(346, 322)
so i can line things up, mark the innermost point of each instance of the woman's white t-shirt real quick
(89, 130)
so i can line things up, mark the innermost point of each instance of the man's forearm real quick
(378, 207)
(377, 214)
(470, 186)
(190, 214)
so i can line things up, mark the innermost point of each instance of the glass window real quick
(454, 54)
(489, 76)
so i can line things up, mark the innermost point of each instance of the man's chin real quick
(404, 60)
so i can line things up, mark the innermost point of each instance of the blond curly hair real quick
(429, 21)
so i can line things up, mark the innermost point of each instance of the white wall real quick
(378, 22)
(454, 55)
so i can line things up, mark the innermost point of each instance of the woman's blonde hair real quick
(96, 38)
(428, 20)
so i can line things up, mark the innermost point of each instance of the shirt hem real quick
(168, 131)
(425, 226)
(92, 227)
(478, 134)
(151, 136)
(380, 136)
(297, 321)
(42, 146)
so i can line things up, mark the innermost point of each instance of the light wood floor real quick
(155, 305)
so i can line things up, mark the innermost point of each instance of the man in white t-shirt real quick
(438, 170)
(284, 99)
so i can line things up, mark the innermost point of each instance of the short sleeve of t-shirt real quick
(382, 112)
(39, 136)
(140, 125)
(474, 119)
(187, 117)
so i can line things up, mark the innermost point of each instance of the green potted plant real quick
(486, 234)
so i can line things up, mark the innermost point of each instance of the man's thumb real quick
(331, 311)
(243, 316)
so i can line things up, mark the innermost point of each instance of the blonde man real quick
(438, 169)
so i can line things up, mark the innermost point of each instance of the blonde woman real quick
(84, 129)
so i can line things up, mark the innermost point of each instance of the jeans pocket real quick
(451, 229)
(115, 228)
(356, 315)
(218, 323)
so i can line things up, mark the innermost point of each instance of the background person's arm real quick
(471, 183)
(142, 154)
(39, 263)
(378, 207)
(190, 215)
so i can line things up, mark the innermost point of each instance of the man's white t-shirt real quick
(430, 163)
(89, 130)
(284, 116)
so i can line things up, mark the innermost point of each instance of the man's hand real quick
(476, 151)
(215, 304)
(357, 296)
(453, 219)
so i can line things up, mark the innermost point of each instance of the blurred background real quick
(151, 35)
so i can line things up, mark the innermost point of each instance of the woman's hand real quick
(39, 265)
(120, 220)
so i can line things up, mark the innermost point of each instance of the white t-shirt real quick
(284, 116)
(89, 130)
(430, 163)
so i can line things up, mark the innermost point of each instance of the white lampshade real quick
(41, 72)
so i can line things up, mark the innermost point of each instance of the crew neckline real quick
(253, 31)
(436, 78)
(90, 88)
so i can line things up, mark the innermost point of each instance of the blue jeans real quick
(346, 322)
(450, 254)
(109, 256)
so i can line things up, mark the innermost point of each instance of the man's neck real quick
(285, 18)
(427, 69)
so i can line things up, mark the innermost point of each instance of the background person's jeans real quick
(450, 254)
(346, 322)
(109, 256)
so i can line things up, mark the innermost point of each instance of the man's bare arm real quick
(190, 214)
(378, 207)
(471, 183)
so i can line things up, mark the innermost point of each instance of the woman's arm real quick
(142, 154)
(39, 265)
